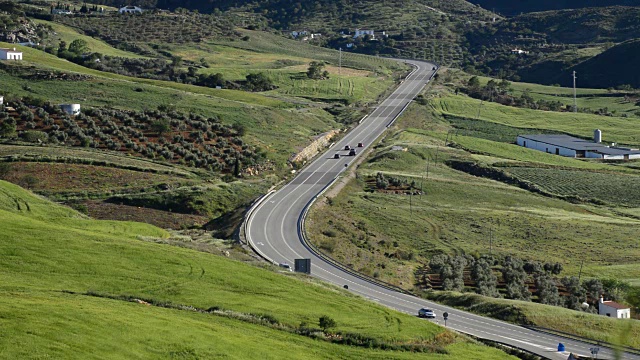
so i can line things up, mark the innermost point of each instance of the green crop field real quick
(611, 188)
(51, 251)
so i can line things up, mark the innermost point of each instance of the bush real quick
(326, 322)
(35, 136)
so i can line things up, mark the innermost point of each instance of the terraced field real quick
(614, 189)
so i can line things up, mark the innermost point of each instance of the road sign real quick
(303, 266)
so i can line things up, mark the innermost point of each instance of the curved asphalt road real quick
(272, 229)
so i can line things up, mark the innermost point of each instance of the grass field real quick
(50, 249)
(288, 72)
(618, 130)
(67, 34)
(46, 324)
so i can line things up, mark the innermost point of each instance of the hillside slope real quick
(69, 279)
(613, 67)
(510, 7)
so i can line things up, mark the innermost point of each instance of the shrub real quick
(326, 322)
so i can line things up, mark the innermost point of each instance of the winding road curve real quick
(273, 229)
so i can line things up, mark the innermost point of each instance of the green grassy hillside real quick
(53, 256)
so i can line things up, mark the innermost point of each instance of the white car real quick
(426, 313)
(286, 266)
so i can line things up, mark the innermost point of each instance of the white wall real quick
(551, 149)
(604, 309)
(10, 55)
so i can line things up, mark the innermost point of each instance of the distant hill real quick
(616, 66)
(615, 23)
(515, 7)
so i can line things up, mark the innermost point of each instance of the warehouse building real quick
(569, 146)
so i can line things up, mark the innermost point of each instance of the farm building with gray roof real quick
(569, 146)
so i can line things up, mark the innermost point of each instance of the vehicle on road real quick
(336, 156)
(360, 145)
(434, 68)
(347, 147)
(426, 313)
(286, 266)
(352, 152)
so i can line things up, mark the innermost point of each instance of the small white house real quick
(130, 10)
(1, 100)
(361, 33)
(613, 309)
(10, 54)
(71, 109)
(519, 51)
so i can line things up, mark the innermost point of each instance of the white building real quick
(71, 109)
(613, 309)
(130, 10)
(360, 33)
(10, 54)
(569, 146)
(1, 100)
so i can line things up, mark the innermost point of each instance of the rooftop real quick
(615, 305)
(574, 143)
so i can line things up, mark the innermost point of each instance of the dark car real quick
(434, 68)
(352, 152)
(336, 156)
(360, 145)
(347, 147)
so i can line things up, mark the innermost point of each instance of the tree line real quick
(517, 275)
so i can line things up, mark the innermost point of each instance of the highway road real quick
(273, 229)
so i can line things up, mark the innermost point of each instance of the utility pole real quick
(580, 272)
(490, 240)
(575, 94)
(340, 62)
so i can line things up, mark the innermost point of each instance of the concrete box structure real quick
(613, 309)
(10, 54)
(569, 146)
